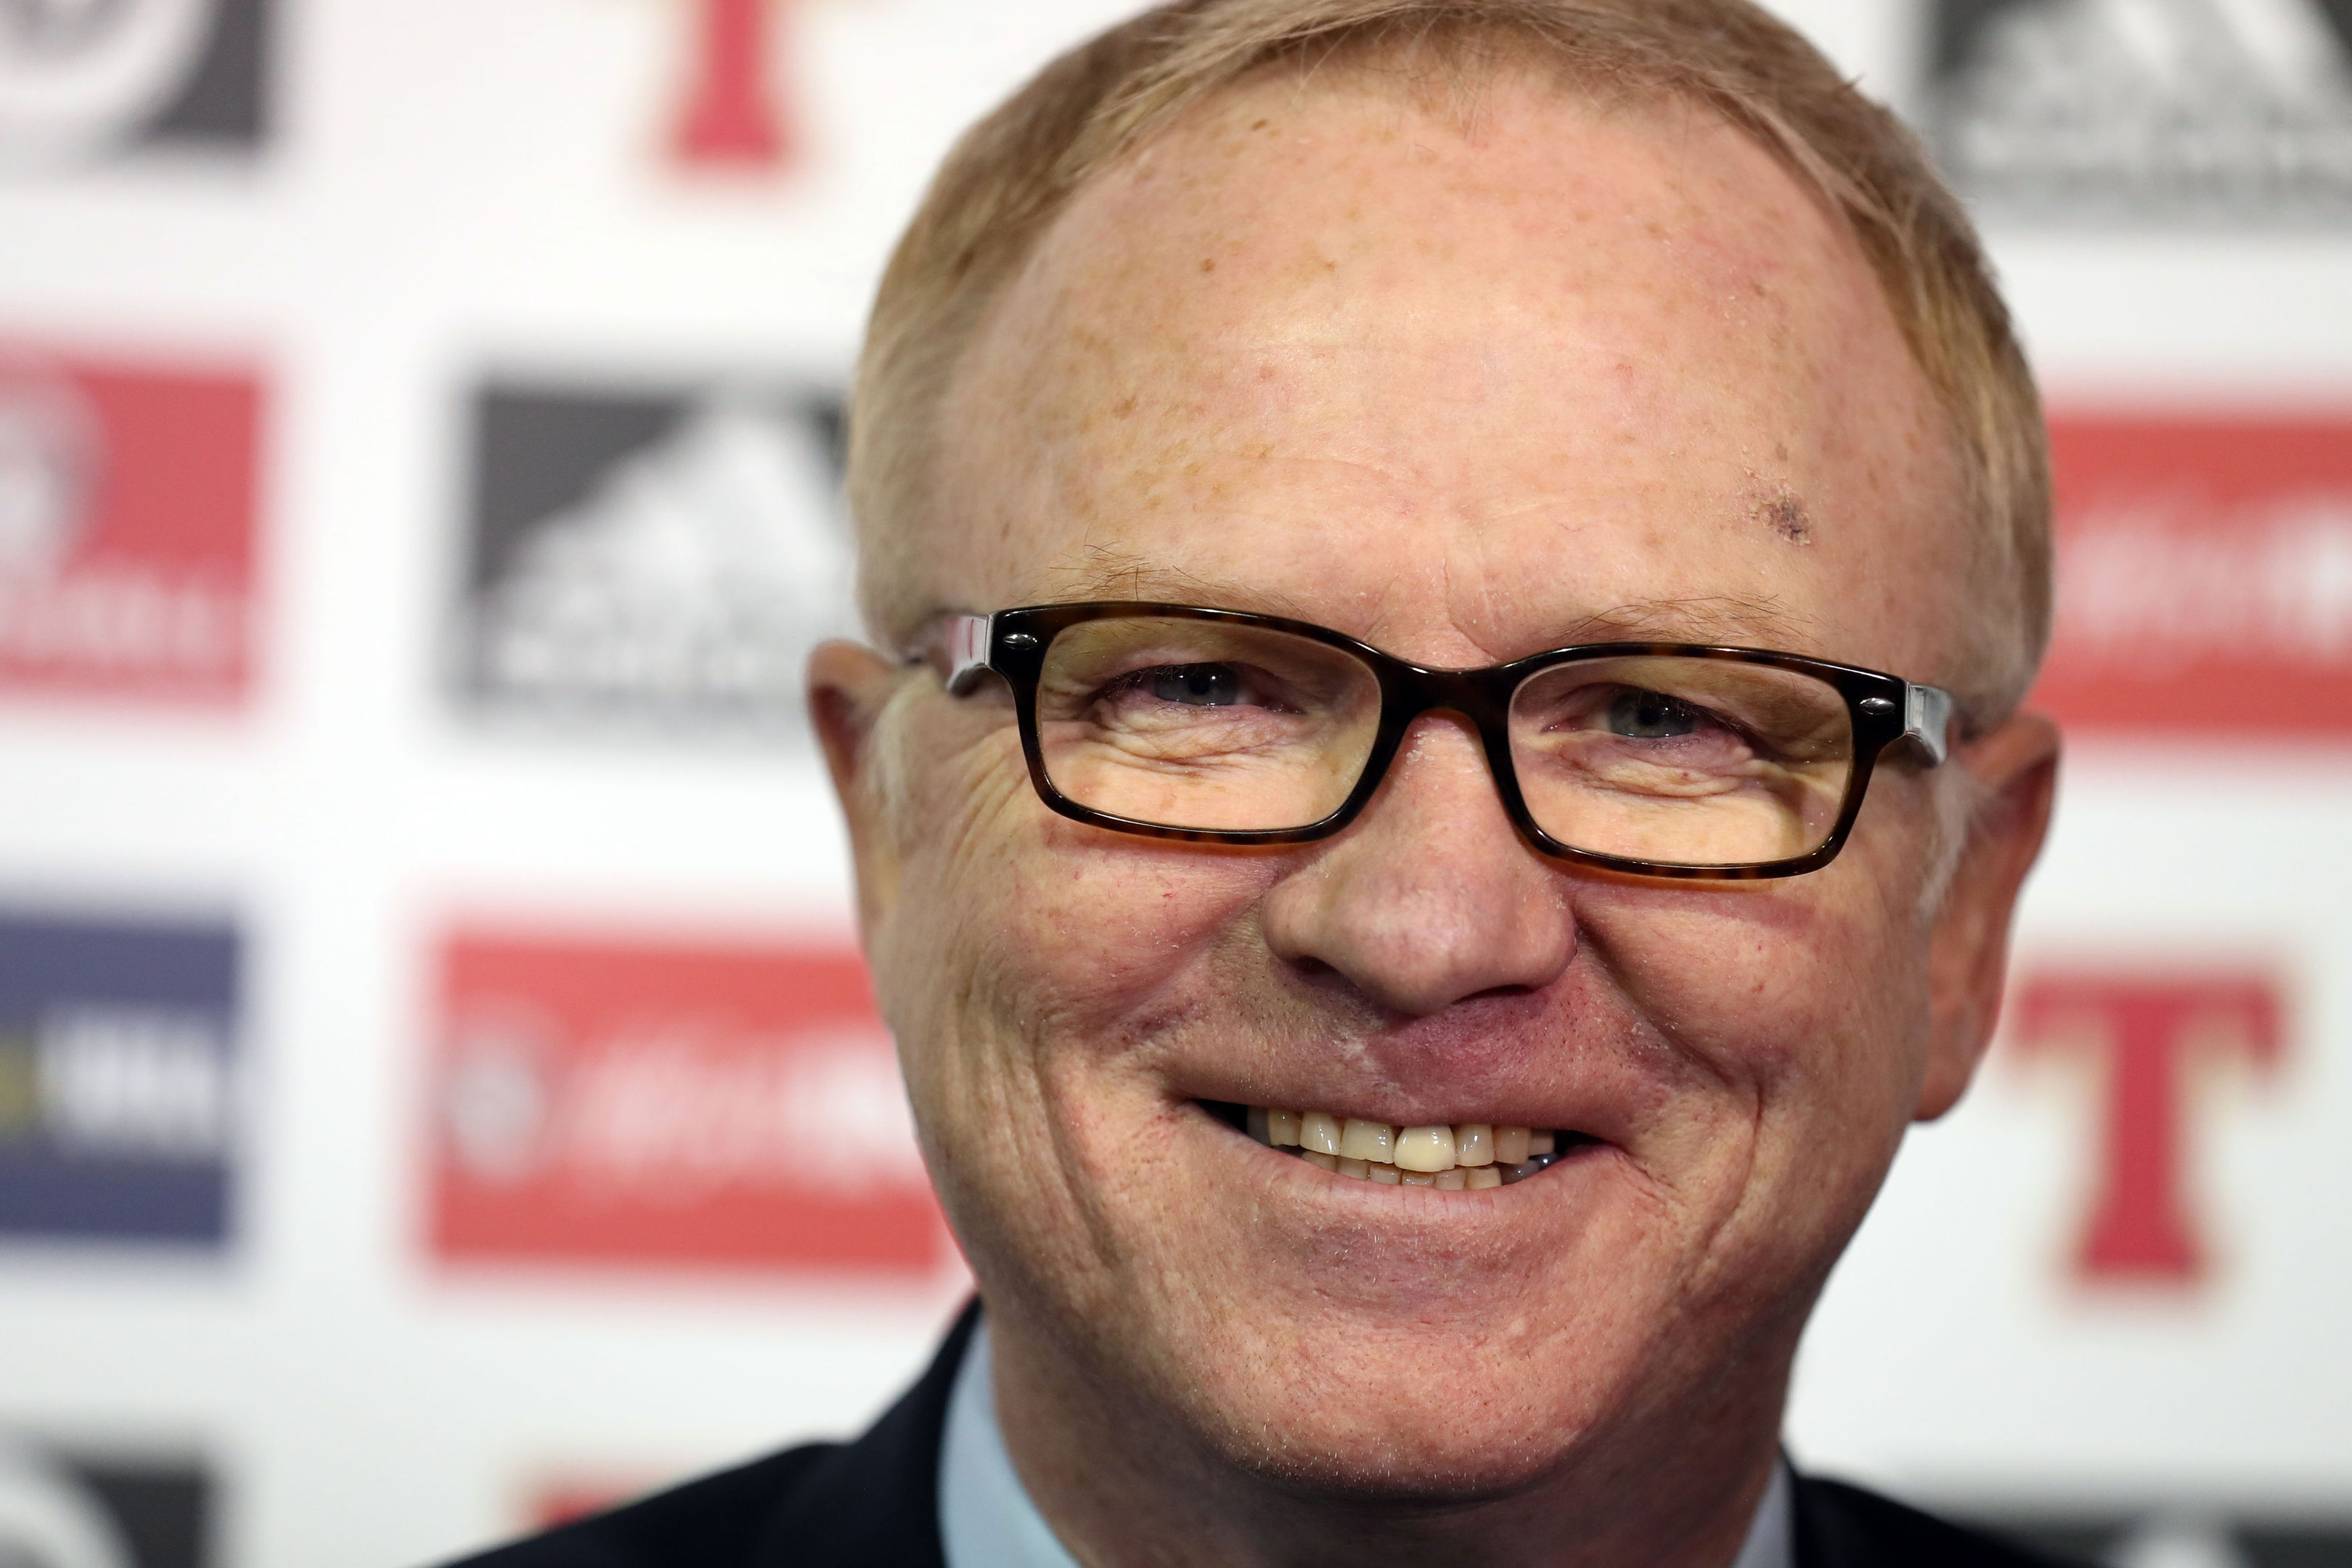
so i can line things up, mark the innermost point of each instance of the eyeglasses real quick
(1221, 727)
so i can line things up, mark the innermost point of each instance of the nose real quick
(1430, 896)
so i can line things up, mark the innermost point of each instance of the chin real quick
(1439, 1418)
(1384, 1463)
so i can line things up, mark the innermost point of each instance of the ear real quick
(2015, 770)
(848, 687)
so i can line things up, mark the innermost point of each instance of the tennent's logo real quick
(127, 531)
(2204, 576)
(84, 78)
(658, 1104)
(2151, 1040)
(732, 112)
(737, 109)
(117, 1078)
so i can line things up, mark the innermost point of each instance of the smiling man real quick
(1439, 783)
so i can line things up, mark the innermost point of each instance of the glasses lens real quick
(1682, 762)
(1189, 723)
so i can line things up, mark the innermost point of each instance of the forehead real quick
(1460, 381)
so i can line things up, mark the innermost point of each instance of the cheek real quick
(1098, 934)
(1047, 935)
(1034, 971)
(1805, 997)
(1802, 1002)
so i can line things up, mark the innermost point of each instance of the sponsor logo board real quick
(2204, 576)
(2105, 110)
(62, 1508)
(657, 1103)
(651, 561)
(86, 78)
(119, 1094)
(128, 523)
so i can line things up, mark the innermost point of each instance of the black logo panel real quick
(87, 80)
(71, 1509)
(2146, 111)
(650, 559)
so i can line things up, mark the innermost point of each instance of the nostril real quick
(1311, 968)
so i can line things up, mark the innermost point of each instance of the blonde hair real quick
(1012, 173)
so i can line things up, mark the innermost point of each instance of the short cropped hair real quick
(1012, 173)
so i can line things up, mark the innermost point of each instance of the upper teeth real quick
(1467, 1154)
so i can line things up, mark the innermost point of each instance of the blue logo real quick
(119, 1099)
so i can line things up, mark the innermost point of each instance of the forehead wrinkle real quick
(1716, 618)
(1472, 580)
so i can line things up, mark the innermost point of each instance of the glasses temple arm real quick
(1927, 719)
(968, 641)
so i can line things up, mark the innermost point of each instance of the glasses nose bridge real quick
(1479, 696)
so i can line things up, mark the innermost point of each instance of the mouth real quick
(1463, 1156)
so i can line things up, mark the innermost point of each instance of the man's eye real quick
(1652, 716)
(1197, 685)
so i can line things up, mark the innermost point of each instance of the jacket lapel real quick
(874, 1503)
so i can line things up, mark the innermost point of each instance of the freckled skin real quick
(1457, 392)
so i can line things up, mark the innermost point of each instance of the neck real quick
(1127, 1486)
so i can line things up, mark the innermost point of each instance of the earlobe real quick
(2015, 771)
(848, 687)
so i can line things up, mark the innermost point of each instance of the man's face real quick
(1467, 395)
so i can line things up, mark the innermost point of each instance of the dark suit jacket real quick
(873, 1503)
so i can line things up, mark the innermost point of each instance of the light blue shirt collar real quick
(986, 1520)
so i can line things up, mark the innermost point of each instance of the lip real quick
(1383, 1254)
(1514, 1063)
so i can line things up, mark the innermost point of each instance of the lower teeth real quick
(1455, 1180)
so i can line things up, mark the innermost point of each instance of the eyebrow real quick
(1709, 619)
(1712, 618)
(1109, 574)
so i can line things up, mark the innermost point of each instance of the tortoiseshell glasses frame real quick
(1881, 709)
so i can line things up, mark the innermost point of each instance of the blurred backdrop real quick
(426, 962)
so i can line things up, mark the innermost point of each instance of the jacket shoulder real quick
(872, 1503)
(1841, 1526)
(715, 1522)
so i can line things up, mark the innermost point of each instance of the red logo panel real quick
(2204, 576)
(127, 529)
(656, 1104)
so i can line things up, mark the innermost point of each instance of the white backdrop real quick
(449, 201)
